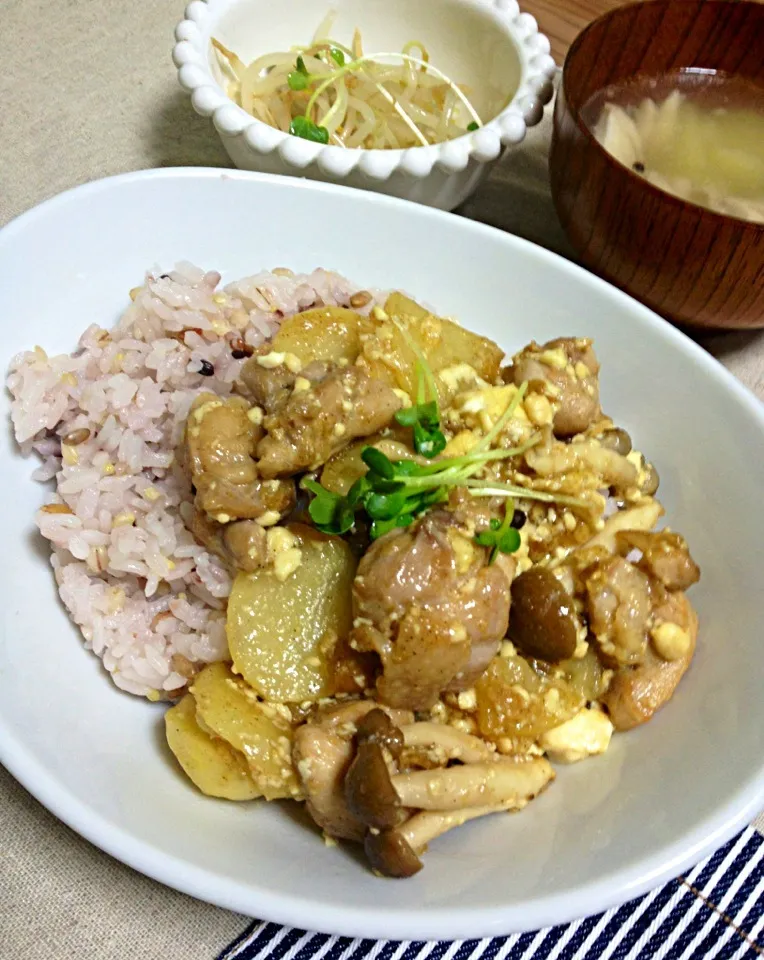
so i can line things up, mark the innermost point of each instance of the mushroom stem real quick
(642, 517)
(475, 785)
(422, 828)
(454, 744)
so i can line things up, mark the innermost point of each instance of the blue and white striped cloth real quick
(714, 912)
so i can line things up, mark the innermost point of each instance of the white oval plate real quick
(609, 828)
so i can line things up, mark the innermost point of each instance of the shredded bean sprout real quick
(330, 93)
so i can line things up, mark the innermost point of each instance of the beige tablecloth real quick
(87, 89)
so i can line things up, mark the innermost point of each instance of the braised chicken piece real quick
(665, 556)
(571, 369)
(322, 417)
(271, 386)
(219, 453)
(426, 600)
(619, 607)
(636, 693)
(242, 544)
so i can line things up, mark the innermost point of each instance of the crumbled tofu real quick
(552, 700)
(464, 551)
(482, 408)
(286, 563)
(507, 649)
(554, 358)
(378, 313)
(467, 700)
(585, 735)
(275, 359)
(201, 412)
(581, 370)
(269, 518)
(670, 640)
(462, 443)
(339, 430)
(151, 494)
(283, 552)
(459, 373)
(539, 409)
(402, 396)
(223, 518)
(255, 415)
(301, 385)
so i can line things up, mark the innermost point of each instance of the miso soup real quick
(696, 134)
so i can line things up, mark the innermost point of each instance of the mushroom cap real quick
(377, 727)
(391, 855)
(542, 622)
(369, 793)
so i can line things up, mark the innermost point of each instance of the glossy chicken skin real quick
(219, 452)
(426, 600)
(322, 417)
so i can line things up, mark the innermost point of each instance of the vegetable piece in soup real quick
(697, 136)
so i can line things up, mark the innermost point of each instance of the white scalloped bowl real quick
(486, 44)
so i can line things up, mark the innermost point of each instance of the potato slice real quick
(260, 731)
(387, 356)
(324, 333)
(211, 764)
(281, 634)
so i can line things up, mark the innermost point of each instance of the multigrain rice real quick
(106, 421)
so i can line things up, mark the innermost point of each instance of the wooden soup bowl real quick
(695, 267)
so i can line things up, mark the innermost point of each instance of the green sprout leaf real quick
(385, 506)
(407, 417)
(357, 492)
(394, 493)
(330, 512)
(428, 442)
(301, 68)
(380, 527)
(297, 80)
(501, 536)
(473, 126)
(424, 416)
(307, 130)
(338, 56)
(377, 462)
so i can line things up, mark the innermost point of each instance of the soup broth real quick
(696, 134)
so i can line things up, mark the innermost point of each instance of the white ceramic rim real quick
(443, 924)
(525, 109)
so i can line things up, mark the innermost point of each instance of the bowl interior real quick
(649, 39)
(608, 828)
(465, 40)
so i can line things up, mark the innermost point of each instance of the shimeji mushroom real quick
(385, 801)
(322, 752)
(395, 852)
